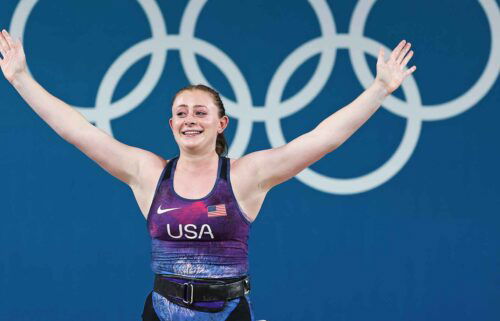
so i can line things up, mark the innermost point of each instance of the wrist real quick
(380, 89)
(19, 79)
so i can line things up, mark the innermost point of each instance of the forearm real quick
(61, 117)
(338, 127)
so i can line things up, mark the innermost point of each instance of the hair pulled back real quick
(220, 143)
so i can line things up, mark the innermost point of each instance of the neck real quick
(195, 162)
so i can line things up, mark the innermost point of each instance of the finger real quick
(8, 38)
(397, 50)
(410, 71)
(381, 55)
(403, 53)
(4, 46)
(407, 58)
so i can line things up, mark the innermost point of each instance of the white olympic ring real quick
(274, 108)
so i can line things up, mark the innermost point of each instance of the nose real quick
(189, 120)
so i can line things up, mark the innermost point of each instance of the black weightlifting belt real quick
(209, 290)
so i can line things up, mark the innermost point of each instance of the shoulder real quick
(150, 167)
(245, 184)
(144, 186)
(244, 173)
(238, 165)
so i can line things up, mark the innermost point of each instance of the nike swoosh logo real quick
(161, 211)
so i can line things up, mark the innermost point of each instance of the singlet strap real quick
(168, 170)
(224, 168)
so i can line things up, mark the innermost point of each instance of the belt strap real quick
(190, 292)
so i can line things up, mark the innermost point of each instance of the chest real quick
(214, 217)
(201, 208)
(194, 186)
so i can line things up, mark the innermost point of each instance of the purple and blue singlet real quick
(200, 238)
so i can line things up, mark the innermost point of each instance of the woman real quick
(199, 205)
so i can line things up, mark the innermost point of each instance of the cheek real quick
(208, 124)
(175, 127)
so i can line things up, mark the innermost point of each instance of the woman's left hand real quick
(391, 73)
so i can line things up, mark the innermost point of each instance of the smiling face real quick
(195, 121)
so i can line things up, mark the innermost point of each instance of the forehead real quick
(192, 98)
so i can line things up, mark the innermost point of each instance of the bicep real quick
(118, 159)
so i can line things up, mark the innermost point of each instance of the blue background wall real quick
(422, 245)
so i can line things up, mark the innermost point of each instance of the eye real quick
(201, 113)
(180, 113)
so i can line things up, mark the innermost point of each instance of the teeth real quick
(191, 132)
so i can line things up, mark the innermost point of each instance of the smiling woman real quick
(194, 94)
(200, 205)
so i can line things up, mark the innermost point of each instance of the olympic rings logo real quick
(275, 108)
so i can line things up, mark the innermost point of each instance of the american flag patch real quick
(216, 210)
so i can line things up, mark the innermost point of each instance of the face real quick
(195, 120)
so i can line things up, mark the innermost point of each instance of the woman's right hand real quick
(14, 59)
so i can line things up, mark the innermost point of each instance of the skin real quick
(195, 109)
(252, 175)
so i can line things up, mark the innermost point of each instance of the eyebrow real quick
(195, 106)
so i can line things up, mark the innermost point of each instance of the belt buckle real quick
(185, 298)
(246, 284)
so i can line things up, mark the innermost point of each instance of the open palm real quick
(13, 60)
(391, 73)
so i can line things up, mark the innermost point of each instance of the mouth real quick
(191, 132)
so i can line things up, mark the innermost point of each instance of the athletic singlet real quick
(206, 237)
(201, 238)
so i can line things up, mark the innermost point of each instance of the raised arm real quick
(274, 166)
(129, 164)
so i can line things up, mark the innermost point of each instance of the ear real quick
(170, 123)
(223, 122)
